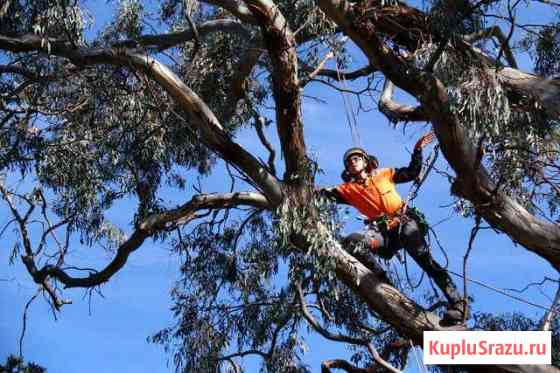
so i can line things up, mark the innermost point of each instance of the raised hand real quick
(424, 140)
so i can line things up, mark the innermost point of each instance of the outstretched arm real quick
(331, 193)
(406, 174)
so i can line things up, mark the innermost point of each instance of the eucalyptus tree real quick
(91, 120)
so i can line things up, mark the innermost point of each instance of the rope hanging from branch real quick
(348, 108)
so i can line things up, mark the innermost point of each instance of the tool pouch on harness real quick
(387, 227)
(390, 228)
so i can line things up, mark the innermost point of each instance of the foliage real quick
(17, 365)
(518, 144)
(516, 321)
(84, 138)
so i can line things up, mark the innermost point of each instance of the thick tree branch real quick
(238, 86)
(387, 303)
(545, 91)
(350, 75)
(200, 115)
(145, 229)
(280, 43)
(396, 112)
(201, 202)
(161, 42)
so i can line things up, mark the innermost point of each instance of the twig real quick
(339, 337)
(320, 65)
(24, 327)
(551, 314)
(474, 232)
(501, 291)
(396, 112)
(496, 32)
(193, 28)
(271, 152)
(505, 43)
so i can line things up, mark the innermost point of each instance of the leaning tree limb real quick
(145, 229)
(160, 42)
(281, 43)
(200, 115)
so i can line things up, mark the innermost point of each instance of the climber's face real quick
(355, 164)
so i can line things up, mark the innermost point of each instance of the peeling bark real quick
(281, 43)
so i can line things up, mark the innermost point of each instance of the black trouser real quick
(409, 236)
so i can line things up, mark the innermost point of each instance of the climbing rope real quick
(412, 194)
(502, 292)
(348, 108)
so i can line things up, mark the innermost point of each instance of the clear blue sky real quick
(109, 334)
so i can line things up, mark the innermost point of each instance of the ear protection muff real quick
(372, 162)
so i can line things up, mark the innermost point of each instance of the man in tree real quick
(390, 225)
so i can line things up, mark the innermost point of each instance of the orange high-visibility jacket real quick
(377, 196)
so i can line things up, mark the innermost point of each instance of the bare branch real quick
(281, 43)
(472, 237)
(199, 202)
(339, 337)
(324, 332)
(243, 354)
(552, 313)
(24, 323)
(496, 32)
(161, 42)
(271, 152)
(327, 365)
(319, 67)
(147, 228)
